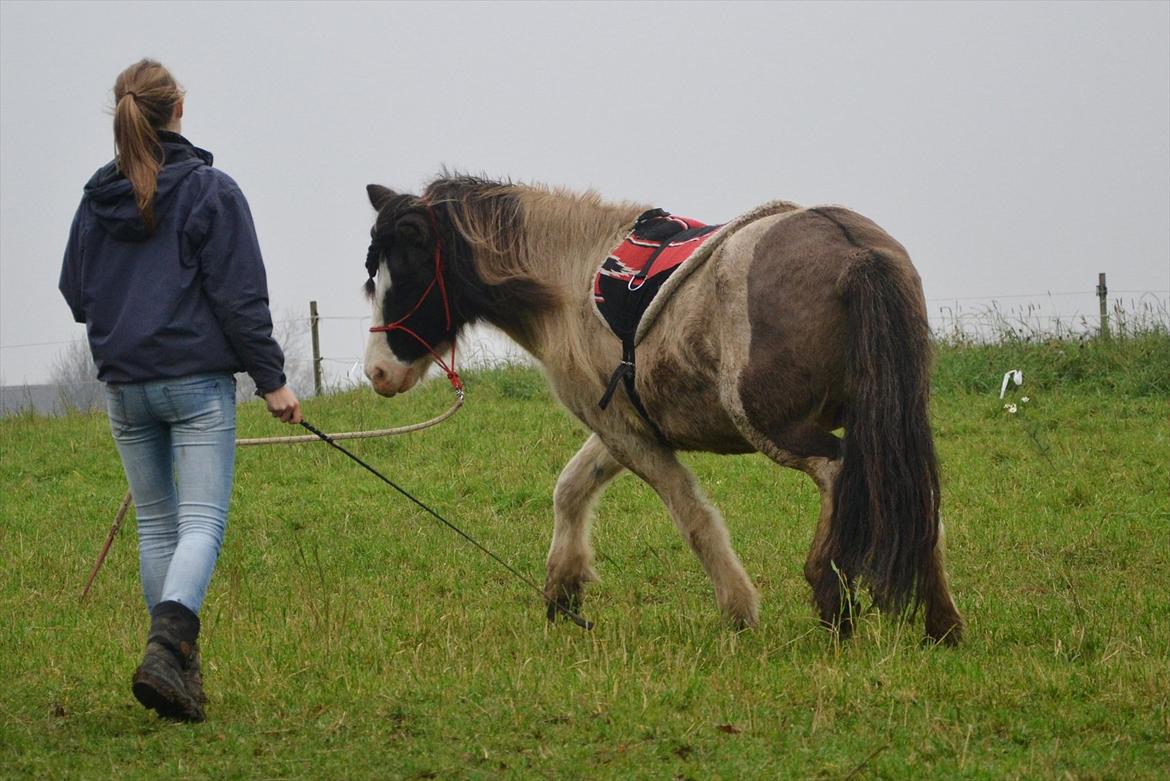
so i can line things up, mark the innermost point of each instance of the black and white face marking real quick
(386, 372)
(402, 259)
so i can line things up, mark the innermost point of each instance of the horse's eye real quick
(401, 269)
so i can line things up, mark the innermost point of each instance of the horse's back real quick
(754, 345)
(788, 275)
(806, 252)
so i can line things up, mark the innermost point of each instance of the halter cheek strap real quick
(438, 281)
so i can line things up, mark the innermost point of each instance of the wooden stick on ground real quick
(118, 518)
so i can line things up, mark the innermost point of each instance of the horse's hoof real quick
(740, 605)
(743, 624)
(562, 597)
(841, 628)
(842, 623)
(743, 619)
(949, 637)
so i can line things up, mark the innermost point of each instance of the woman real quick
(164, 268)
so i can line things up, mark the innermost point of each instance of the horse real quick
(802, 322)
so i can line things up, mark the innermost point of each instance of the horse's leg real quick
(943, 623)
(832, 590)
(580, 483)
(811, 449)
(699, 523)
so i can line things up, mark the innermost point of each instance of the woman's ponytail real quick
(145, 96)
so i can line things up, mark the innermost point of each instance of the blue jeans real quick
(177, 440)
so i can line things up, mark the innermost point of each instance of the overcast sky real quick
(1014, 148)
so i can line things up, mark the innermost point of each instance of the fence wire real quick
(953, 319)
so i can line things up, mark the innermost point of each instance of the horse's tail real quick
(885, 521)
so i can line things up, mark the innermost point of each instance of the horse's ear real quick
(379, 195)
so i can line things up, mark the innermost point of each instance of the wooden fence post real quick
(1103, 301)
(313, 320)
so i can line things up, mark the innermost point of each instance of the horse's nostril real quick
(377, 374)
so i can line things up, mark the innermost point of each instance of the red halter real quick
(397, 325)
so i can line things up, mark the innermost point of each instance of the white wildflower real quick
(1024, 400)
(1011, 408)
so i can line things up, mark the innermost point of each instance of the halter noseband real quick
(397, 325)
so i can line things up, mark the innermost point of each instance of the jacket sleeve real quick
(233, 277)
(72, 270)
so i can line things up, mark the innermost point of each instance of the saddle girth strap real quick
(624, 373)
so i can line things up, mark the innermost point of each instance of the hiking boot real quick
(160, 681)
(193, 678)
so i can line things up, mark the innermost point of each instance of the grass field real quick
(349, 636)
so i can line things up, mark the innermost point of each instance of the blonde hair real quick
(145, 96)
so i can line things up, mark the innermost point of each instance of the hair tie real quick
(131, 94)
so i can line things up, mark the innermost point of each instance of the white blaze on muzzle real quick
(386, 371)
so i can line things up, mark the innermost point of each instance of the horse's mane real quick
(512, 227)
(487, 216)
(530, 245)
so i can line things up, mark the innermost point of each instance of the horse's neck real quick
(567, 236)
(565, 231)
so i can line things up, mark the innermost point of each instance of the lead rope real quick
(567, 612)
(384, 432)
(457, 384)
(331, 440)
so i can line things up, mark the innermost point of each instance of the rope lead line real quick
(572, 616)
(385, 432)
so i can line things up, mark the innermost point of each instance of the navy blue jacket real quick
(188, 298)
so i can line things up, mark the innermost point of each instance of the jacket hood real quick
(111, 197)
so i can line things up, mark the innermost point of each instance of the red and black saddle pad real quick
(630, 278)
(636, 269)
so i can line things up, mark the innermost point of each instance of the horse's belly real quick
(710, 434)
(681, 393)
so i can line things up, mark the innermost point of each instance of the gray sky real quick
(1014, 148)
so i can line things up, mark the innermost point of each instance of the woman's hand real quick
(283, 404)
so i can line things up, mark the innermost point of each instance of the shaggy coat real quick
(799, 322)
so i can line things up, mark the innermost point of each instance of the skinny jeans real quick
(177, 441)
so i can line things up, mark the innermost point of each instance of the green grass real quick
(1136, 366)
(348, 635)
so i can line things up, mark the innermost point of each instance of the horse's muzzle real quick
(391, 380)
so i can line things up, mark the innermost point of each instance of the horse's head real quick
(406, 290)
